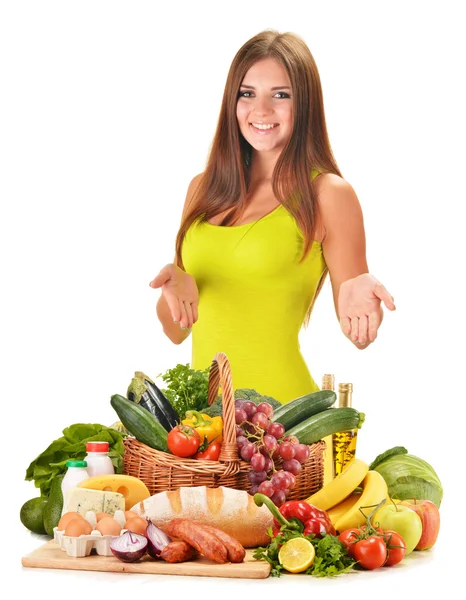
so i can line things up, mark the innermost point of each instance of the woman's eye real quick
(278, 95)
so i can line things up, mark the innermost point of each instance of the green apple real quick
(404, 521)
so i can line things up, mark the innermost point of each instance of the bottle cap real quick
(76, 463)
(97, 446)
(345, 387)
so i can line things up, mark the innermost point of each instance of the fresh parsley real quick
(187, 389)
(331, 555)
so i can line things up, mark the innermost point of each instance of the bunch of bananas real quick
(353, 489)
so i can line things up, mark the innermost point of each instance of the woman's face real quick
(265, 106)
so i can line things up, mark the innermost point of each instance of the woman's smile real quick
(263, 129)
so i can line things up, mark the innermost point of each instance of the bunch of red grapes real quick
(261, 442)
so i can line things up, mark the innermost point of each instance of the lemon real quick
(296, 555)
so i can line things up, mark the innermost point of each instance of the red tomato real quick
(396, 547)
(183, 441)
(371, 553)
(212, 452)
(371, 530)
(348, 538)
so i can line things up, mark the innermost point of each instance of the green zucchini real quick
(140, 423)
(331, 420)
(302, 408)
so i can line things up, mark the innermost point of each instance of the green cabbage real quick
(409, 476)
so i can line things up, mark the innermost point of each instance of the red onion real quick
(157, 540)
(129, 546)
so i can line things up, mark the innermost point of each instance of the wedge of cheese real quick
(133, 489)
(81, 500)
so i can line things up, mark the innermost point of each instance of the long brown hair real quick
(225, 180)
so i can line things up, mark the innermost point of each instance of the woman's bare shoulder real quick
(334, 192)
(331, 183)
(337, 200)
(193, 185)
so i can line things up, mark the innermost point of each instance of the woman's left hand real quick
(360, 310)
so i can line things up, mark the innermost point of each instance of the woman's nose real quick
(262, 107)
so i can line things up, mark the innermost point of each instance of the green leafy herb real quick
(72, 445)
(187, 388)
(331, 555)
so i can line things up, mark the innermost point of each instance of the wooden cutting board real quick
(50, 556)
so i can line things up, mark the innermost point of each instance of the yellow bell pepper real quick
(206, 426)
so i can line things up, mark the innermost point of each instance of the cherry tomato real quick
(183, 441)
(212, 452)
(371, 553)
(396, 547)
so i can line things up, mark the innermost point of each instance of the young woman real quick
(263, 225)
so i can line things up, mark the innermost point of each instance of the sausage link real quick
(235, 551)
(178, 551)
(195, 535)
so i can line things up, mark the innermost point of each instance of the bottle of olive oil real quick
(328, 383)
(344, 442)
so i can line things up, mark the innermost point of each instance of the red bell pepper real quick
(299, 515)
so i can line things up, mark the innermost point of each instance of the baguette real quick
(232, 511)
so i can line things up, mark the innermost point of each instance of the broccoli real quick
(216, 409)
(255, 397)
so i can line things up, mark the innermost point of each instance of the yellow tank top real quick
(253, 297)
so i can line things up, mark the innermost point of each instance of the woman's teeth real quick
(263, 126)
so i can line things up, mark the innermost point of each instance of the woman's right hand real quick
(180, 292)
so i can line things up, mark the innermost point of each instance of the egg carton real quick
(81, 546)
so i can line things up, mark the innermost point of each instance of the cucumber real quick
(302, 408)
(140, 423)
(327, 422)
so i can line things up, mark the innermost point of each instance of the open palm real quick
(359, 307)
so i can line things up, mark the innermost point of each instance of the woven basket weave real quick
(161, 471)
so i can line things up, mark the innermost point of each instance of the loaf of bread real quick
(232, 511)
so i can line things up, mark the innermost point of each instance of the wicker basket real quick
(161, 471)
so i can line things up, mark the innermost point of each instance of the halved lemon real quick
(296, 555)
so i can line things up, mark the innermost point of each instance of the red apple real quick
(430, 517)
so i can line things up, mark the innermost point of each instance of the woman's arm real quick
(357, 294)
(171, 329)
(174, 329)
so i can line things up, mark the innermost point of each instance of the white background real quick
(107, 112)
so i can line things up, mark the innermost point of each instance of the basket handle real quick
(220, 374)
